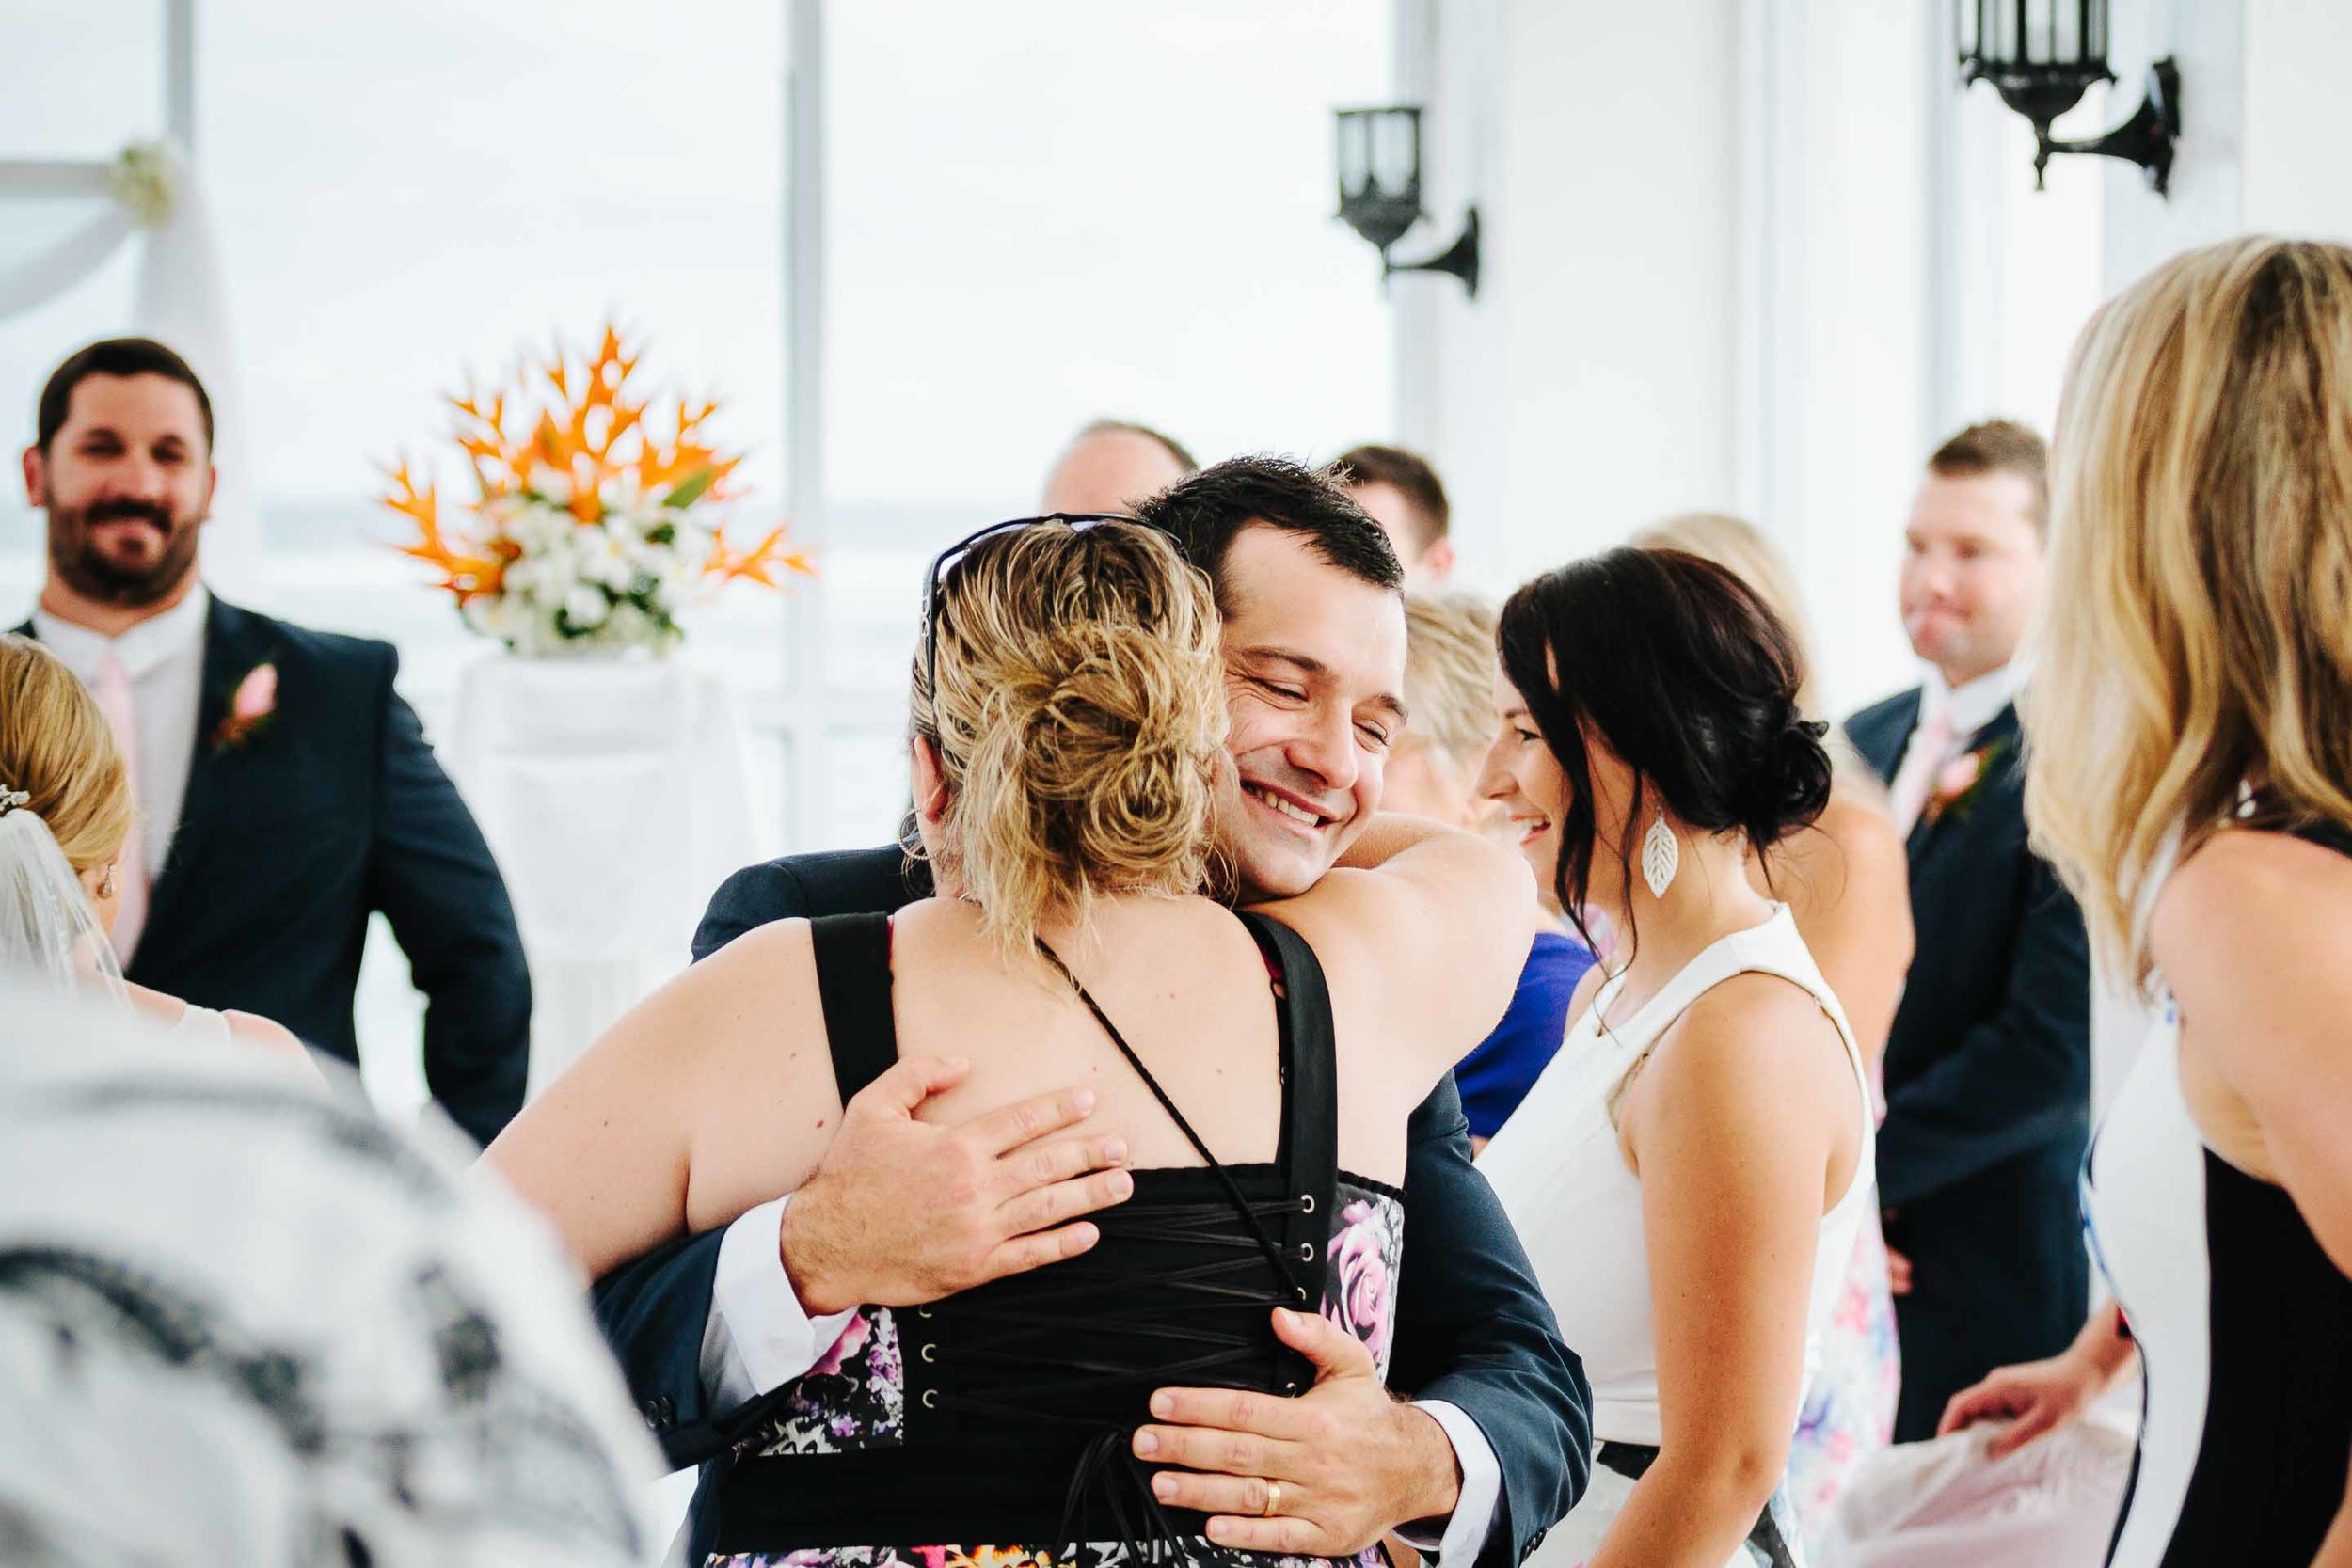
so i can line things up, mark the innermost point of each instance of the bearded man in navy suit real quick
(284, 791)
(1988, 1064)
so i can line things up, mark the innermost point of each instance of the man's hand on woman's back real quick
(902, 1212)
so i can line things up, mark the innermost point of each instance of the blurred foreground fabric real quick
(243, 1323)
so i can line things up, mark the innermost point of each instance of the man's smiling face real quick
(1315, 672)
(126, 483)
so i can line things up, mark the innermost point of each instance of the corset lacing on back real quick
(1139, 1296)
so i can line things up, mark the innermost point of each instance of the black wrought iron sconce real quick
(2041, 55)
(1379, 159)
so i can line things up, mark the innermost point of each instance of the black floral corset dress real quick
(991, 1429)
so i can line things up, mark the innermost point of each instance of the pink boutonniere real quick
(1962, 777)
(252, 705)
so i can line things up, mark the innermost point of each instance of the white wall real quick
(1705, 286)
(2262, 151)
(1587, 389)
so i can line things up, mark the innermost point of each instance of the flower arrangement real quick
(590, 532)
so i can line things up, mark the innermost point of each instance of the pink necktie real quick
(122, 717)
(1931, 749)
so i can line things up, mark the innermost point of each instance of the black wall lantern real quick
(1379, 158)
(2041, 55)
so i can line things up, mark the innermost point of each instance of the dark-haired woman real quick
(1690, 1172)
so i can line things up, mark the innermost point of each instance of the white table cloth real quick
(613, 794)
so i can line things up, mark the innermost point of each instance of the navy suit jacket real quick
(290, 838)
(1473, 1327)
(1988, 1085)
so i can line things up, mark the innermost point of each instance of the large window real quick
(1029, 219)
(1037, 218)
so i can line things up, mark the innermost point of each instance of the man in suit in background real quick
(1501, 1409)
(284, 791)
(1402, 495)
(1988, 1064)
(1112, 463)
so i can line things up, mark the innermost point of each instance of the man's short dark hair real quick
(1166, 442)
(1204, 511)
(2000, 447)
(1412, 476)
(121, 357)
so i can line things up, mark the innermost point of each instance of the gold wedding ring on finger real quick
(1273, 1500)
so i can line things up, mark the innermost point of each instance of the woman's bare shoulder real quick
(265, 1032)
(155, 1006)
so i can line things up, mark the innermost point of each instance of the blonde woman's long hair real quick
(1080, 723)
(2197, 634)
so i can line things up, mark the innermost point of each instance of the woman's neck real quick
(1710, 898)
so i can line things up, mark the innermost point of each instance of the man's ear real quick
(36, 478)
(1437, 562)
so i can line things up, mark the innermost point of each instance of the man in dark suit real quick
(285, 792)
(1988, 1064)
(1475, 1344)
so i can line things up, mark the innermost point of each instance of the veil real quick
(48, 930)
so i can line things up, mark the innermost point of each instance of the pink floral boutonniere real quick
(1962, 777)
(251, 707)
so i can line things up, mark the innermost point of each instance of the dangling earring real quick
(106, 883)
(1662, 852)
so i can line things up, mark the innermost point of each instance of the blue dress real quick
(1496, 1076)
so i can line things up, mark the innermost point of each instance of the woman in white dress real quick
(1689, 1171)
(65, 811)
(1847, 881)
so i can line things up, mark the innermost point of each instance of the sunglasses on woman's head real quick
(949, 559)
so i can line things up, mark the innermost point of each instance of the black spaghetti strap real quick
(1309, 1155)
(853, 985)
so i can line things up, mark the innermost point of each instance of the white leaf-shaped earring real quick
(1662, 852)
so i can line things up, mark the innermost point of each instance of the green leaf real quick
(689, 491)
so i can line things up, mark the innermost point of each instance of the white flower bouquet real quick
(589, 534)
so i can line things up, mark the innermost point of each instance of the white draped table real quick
(613, 794)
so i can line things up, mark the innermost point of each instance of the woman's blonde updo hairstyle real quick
(56, 747)
(1079, 720)
(2197, 634)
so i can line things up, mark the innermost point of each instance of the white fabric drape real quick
(613, 794)
(151, 191)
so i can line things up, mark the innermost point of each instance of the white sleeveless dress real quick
(1557, 1167)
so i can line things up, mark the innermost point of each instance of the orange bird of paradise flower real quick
(596, 435)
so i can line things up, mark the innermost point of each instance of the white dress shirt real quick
(163, 656)
(1970, 706)
(759, 1338)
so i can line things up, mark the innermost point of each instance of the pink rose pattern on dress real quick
(1367, 1248)
(855, 1396)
